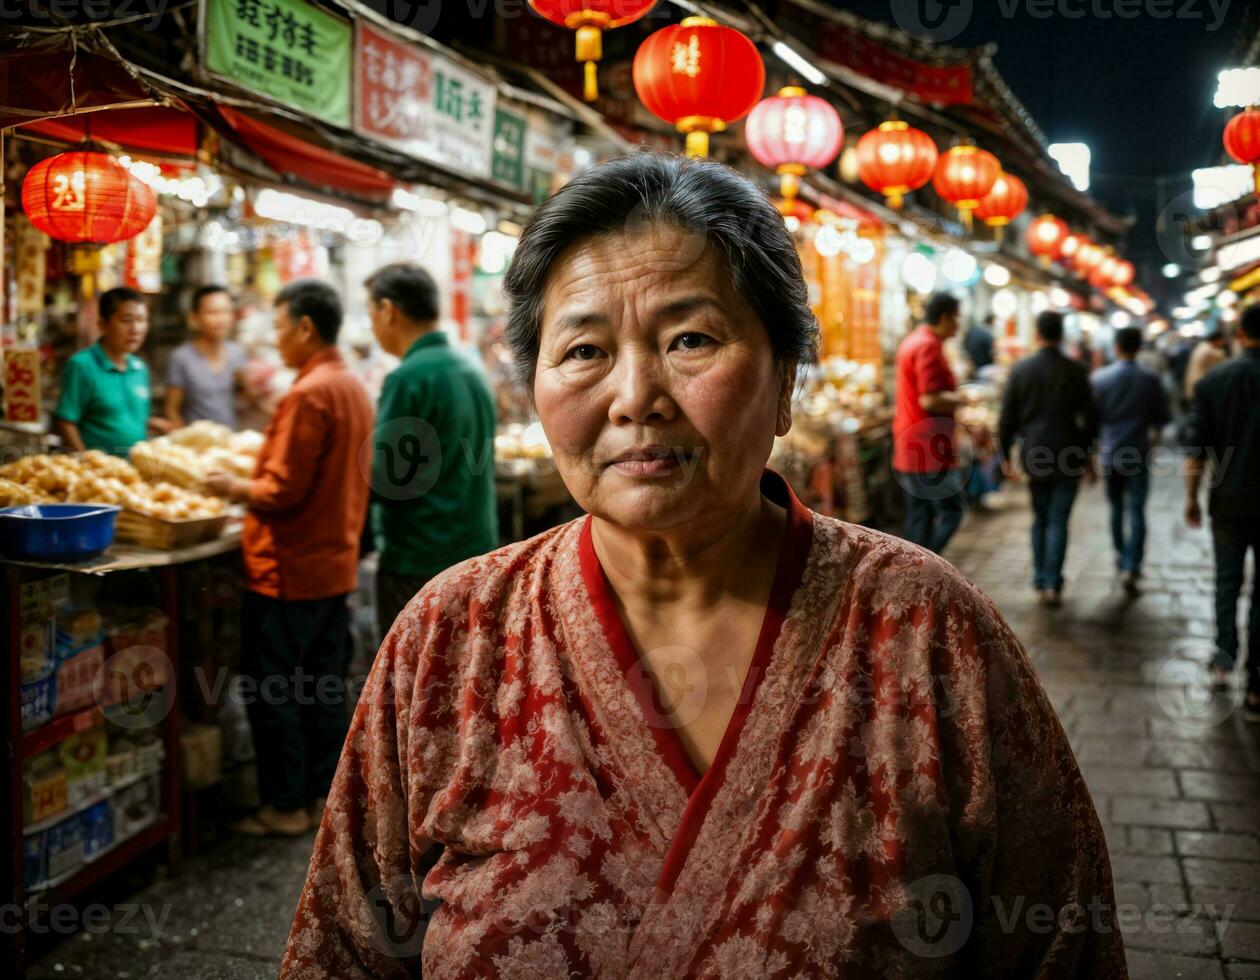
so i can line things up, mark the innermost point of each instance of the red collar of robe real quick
(793, 552)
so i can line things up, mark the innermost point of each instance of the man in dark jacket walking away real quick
(1049, 408)
(1223, 438)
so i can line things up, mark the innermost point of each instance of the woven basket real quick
(152, 532)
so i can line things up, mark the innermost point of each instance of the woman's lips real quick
(654, 461)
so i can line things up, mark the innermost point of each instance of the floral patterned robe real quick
(894, 796)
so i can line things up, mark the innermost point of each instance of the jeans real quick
(935, 505)
(1052, 506)
(1230, 540)
(296, 651)
(1127, 493)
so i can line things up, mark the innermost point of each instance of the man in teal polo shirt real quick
(104, 400)
(433, 501)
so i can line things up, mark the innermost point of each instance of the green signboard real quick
(507, 162)
(287, 49)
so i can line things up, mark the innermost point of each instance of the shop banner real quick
(940, 84)
(21, 385)
(31, 261)
(508, 165)
(287, 49)
(422, 103)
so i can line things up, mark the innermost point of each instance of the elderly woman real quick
(701, 731)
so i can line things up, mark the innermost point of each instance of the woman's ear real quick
(783, 422)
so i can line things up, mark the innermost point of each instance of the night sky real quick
(1138, 91)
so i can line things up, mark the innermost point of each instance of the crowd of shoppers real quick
(1061, 425)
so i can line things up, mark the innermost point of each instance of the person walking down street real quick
(206, 372)
(924, 458)
(1223, 439)
(1049, 409)
(436, 409)
(1131, 402)
(1212, 350)
(307, 503)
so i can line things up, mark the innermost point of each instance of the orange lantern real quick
(700, 76)
(1045, 237)
(794, 207)
(791, 132)
(1004, 202)
(964, 175)
(1242, 140)
(895, 159)
(1124, 273)
(590, 18)
(86, 196)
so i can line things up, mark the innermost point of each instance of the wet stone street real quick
(1174, 771)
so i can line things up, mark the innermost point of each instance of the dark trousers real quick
(1127, 494)
(1230, 540)
(393, 592)
(296, 653)
(1052, 507)
(935, 505)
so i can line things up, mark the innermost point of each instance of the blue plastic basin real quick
(56, 532)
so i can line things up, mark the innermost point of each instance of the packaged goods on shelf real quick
(83, 758)
(44, 788)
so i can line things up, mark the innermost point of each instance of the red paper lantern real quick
(590, 18)
(895, 159)
(964, 175)
(1045, 237)
(700, 76)
(1004, 202)
(1124, 273)
(1242, 140)
(791, 132)
(85, 196)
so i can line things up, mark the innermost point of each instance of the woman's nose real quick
(640, 391)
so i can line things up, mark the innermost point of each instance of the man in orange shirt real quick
(307, 502)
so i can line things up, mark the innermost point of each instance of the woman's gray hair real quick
(647, 188)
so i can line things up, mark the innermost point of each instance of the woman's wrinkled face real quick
(656, 382)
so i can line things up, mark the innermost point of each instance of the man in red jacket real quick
(923, 428)
(307, 502)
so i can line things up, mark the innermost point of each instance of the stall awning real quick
(168, 132)
(286, 153)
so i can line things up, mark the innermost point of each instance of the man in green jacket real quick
(433, 500)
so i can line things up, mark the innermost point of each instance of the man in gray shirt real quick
(206, 372)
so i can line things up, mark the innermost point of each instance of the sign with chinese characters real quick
(21, 384)
(31, 248)
(286, 49)
(422, 103)
(508, 163)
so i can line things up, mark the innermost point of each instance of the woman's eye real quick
(583, 352)
(691, 341)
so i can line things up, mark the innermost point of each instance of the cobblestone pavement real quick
(1175, 775)
(1174, 771)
